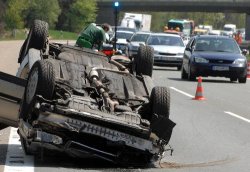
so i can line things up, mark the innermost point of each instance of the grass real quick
(54, 34)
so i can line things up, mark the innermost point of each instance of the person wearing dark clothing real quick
(93, 35)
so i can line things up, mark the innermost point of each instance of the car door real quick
(11, 93)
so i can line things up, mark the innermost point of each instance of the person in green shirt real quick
(93, 35)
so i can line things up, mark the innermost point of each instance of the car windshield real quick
(228, 29)
(217, 44)
(124, 35)
(140, 37)
(165, 40)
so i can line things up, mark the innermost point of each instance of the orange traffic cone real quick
(248, 70)
(199, 91)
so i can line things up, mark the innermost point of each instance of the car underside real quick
(83, 103)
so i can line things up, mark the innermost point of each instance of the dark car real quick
(210, 55)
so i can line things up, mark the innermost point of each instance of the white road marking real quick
(237, 116)
(16, 160)
(182, 92)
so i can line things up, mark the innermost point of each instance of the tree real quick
(46, 10)
(13, 17)
(81, 13)
(2, 11)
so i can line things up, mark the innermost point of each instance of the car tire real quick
(36, 38)
(160, 99)
(160, 123)
(41, 81)
(144, 61)
(191, 77)
(233, 79)
(184, 74)
(242, 79)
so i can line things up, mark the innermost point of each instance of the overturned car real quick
(83, 103)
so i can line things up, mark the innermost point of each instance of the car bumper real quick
(228, 71)
(81, 134)
(172, 61)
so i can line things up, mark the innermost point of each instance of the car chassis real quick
(83, 103)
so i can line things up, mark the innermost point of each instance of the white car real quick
(168, 49)
(137, 39)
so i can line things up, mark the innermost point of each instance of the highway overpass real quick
(105, 13)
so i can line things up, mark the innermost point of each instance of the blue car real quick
(210, 55)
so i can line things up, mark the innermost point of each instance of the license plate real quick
(221, 68)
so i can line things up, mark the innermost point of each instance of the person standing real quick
(238, 38)
(93, 35)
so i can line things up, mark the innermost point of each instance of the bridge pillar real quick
(247, 27)
(106, 15)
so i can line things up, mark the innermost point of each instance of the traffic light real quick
(116, 4)
(116, 12)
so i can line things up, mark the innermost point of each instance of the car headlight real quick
(200, 60)
(239, 61)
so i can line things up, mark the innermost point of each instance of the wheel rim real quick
(31, 86)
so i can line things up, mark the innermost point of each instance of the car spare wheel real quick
(144, 61)
(37, 38)
(41, 81)
(161, 125)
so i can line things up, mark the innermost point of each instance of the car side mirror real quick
(244, 52)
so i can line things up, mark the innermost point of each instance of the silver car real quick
(137, 39)
(168, 49)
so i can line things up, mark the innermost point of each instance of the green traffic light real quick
(116, 4)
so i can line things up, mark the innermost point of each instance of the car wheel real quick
(233, 79)
(160, 123)
(191, 76)
(37, 38)
(242, 79)
(144, 61)
(41, 81)
(160, 99)
(184, 74)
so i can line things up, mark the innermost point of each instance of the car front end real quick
(168, 55)
(222, 65)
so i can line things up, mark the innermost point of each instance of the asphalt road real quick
(210, 135)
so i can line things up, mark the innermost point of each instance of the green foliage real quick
(13, 17)
(81, 13)
(46, 10)
(62, 35)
